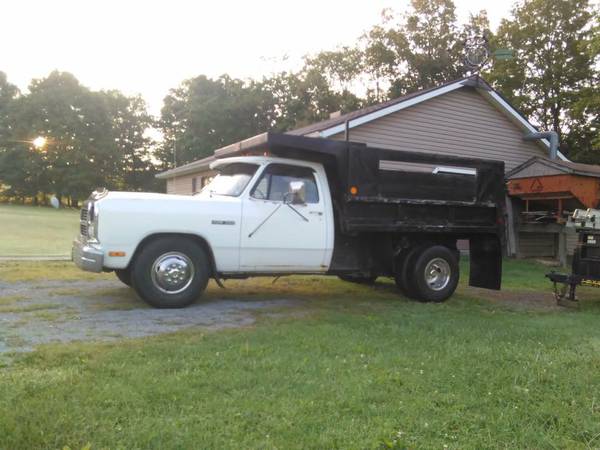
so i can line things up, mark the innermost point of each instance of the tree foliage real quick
(101, 137)
(553, 68)
(204, 114)
(93, 139)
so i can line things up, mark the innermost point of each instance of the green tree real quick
(130, 124)
(553, 64)
(306, 97)
(8, 94)
(419, 49)
(203, 114)
(583, 139)
(21, 169)
(80, 154)
(94, 139)
(435, 50)
(335, 74)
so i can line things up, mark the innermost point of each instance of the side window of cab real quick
(274, 183)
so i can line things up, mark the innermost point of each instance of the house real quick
(465, 117)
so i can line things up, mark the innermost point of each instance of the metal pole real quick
(552, 136)
(175, 152)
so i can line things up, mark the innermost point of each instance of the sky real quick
(148, 47)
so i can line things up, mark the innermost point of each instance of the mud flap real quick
(486, 262)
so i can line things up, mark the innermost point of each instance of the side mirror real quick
(296, 194)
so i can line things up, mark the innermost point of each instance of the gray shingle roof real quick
(328, 123)
(566, 167)
(187, 168)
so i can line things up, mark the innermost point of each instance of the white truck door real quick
(279, 236)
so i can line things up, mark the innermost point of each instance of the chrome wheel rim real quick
(437, 274)
(172, 273)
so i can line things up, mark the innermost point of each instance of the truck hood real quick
(149, 204)
(126, 218)
(143, 196)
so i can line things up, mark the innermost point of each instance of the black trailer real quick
(585, 268)
(395, 211)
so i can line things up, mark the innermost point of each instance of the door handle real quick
(318, 213)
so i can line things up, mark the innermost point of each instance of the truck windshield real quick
(231, 179)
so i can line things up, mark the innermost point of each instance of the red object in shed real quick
(562, 184)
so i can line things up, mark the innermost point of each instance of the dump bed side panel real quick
(394, 176)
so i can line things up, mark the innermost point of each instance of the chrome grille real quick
(83, 222)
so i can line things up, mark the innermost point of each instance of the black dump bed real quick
(397, 190)
(377, 190)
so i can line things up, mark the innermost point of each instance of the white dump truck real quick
(284, 204)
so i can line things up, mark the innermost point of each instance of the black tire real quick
(191, 263)
(124, 276)
(442, 264)
(358, 279)
(404, 279)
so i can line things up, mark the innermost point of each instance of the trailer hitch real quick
(564, 288)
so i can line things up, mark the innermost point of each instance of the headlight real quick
(93, 213)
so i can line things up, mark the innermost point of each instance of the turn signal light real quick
(116, 253)
(354, 190)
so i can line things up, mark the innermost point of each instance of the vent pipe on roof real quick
(550, 135)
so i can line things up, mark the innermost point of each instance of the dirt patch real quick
(520, 300)
(58, 311)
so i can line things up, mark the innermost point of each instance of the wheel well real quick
(194, 237)
(424, 241)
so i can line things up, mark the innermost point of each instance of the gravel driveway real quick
(59, 311)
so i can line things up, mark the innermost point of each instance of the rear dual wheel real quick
(428, 273)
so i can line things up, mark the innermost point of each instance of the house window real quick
(194, 183)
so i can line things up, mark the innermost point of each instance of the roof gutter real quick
(552, 136)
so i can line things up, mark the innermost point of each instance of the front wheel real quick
(170, 272)
(124, 276)
(435, 274)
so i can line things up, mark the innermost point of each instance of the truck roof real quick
(261, 160)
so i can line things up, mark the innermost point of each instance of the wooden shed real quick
(545, 192)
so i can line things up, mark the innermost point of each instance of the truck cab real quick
(259, 215)
(285, 219)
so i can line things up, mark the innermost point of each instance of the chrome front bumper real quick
(87, 257)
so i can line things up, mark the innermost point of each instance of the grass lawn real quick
(37, 231)
(357, 367)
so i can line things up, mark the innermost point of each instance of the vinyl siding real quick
(180, 185)
(537, 245)
(572, 239)
(460, 123)
(183, 185)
